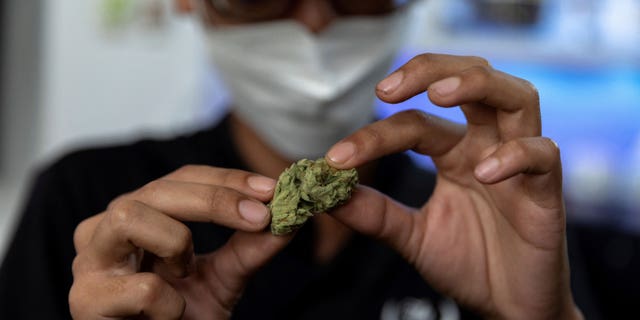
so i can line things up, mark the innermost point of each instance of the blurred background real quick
(76, 73)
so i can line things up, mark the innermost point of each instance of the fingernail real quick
(342, 152)
(253, 212)
(446, 86)
(261, 184)
(391, 83)
(487, 168)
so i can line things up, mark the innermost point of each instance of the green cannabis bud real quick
(306, 188)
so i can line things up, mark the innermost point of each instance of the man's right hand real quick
(137, 257)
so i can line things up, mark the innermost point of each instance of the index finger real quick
(251, 184)
(489, 98)
(419, 73)
(407, 130)
(374, 214)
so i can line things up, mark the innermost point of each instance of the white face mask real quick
(303, 92)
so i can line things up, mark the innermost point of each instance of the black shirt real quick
(366, 280)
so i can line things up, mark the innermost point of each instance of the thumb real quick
(227, 269)
(375, 214)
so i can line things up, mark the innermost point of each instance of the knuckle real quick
(553, 148)
(151, 189)
(82, 298)
(150, 290)
(369, 136)
(422, 59)
(187, 170)
(77, 266)
(517, 149)
(415, 117)
(479, 61)
(227, 177)
(122, 214)
(241, 264)
(117, 200)
(479, 74)
(80, 235)
(215, 197)
(182, 241)
(76, 301)
(82, 226)
(531, 91)
(416, 120)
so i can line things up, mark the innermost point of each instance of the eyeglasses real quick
(260, 10)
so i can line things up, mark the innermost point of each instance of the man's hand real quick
(492, 235)
(137, 258)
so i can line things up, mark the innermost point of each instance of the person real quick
(168, 229)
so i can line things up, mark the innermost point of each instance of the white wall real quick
(102, 82)
(19, 100)
(98, 84)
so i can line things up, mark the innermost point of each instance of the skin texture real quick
(110, 279)
(492, 235)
